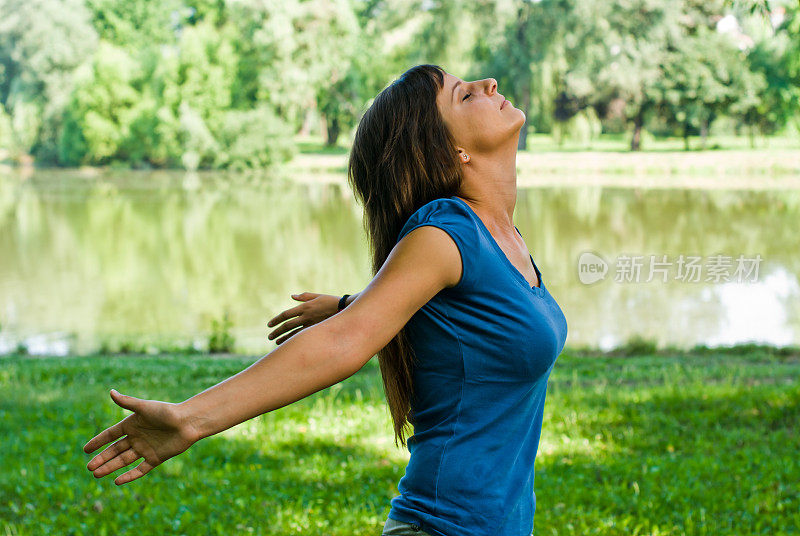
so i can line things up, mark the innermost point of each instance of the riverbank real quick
(664, 165)
(760, 169)
(635, 347)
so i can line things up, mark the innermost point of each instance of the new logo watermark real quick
(687, 268)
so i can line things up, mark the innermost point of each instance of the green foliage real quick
(221, 340)
(129, 346)
(131, 24)
(227, 84)
(42, 43)
(776, 58)
(7, 144)
(102, 108)
(253, 139)
(170, 112)
(583, 129)
(700, 81)
(339, 103)
(170, 85)
(655, 62)
(637, 345)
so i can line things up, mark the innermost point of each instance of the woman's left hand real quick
(156, 431)
(317, 307)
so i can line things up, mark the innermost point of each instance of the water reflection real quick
(153, 257)
(767, 311)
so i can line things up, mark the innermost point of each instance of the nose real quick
(492, 85)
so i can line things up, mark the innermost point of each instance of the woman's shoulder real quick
(453, 216)
(448, 211)
(450, 204)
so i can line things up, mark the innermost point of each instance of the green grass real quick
(702, 442)
(608, 156)
(622, 142)
(539, 142)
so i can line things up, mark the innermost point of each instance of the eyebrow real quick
(454, 90)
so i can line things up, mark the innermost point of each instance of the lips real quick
(503, 103)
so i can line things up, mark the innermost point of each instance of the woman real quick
(465, 330)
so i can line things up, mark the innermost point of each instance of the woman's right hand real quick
(314, 309)
(155, 431)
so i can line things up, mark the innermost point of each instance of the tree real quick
(42, 43)
(99, 114)
(631, 63)
(519, 46)
(775, 58)
(702, 78)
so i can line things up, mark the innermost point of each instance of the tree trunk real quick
(525, 55)
(703, 133)
(638, 122)
(686, 136)
(305, 129)
(525, 107)
(333, 131)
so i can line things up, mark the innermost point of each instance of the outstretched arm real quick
(314, 359)
(424, 262)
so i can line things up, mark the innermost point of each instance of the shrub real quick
(221, 340)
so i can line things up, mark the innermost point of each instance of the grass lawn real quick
(538, 142)
(658, 443)
(731, 163)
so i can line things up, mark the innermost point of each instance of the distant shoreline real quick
(756, 169)
(729, 169)
(633, 348)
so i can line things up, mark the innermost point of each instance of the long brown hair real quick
(402, 157)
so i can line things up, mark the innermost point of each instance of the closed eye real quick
(466, 97)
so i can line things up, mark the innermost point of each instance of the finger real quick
(305, 296)
(128, 402)
(126, 458)
(283, 328)
(113, 450)
(137, 472)
(285, 315)
(289, 336)
(108, 435)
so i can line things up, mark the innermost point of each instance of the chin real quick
(524, 119)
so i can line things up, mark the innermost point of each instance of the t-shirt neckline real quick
(502, 255)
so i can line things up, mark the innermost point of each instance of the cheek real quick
(482, 128)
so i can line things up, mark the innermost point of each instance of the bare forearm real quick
(309, 361)
(350, 299)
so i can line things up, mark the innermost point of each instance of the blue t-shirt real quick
(484, 350)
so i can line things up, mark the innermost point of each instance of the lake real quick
(154, 257)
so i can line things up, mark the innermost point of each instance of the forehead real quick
(446, 93)
(449, 81)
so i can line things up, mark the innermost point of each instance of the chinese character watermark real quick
(688, 268)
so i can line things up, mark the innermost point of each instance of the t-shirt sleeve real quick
(451, 217)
